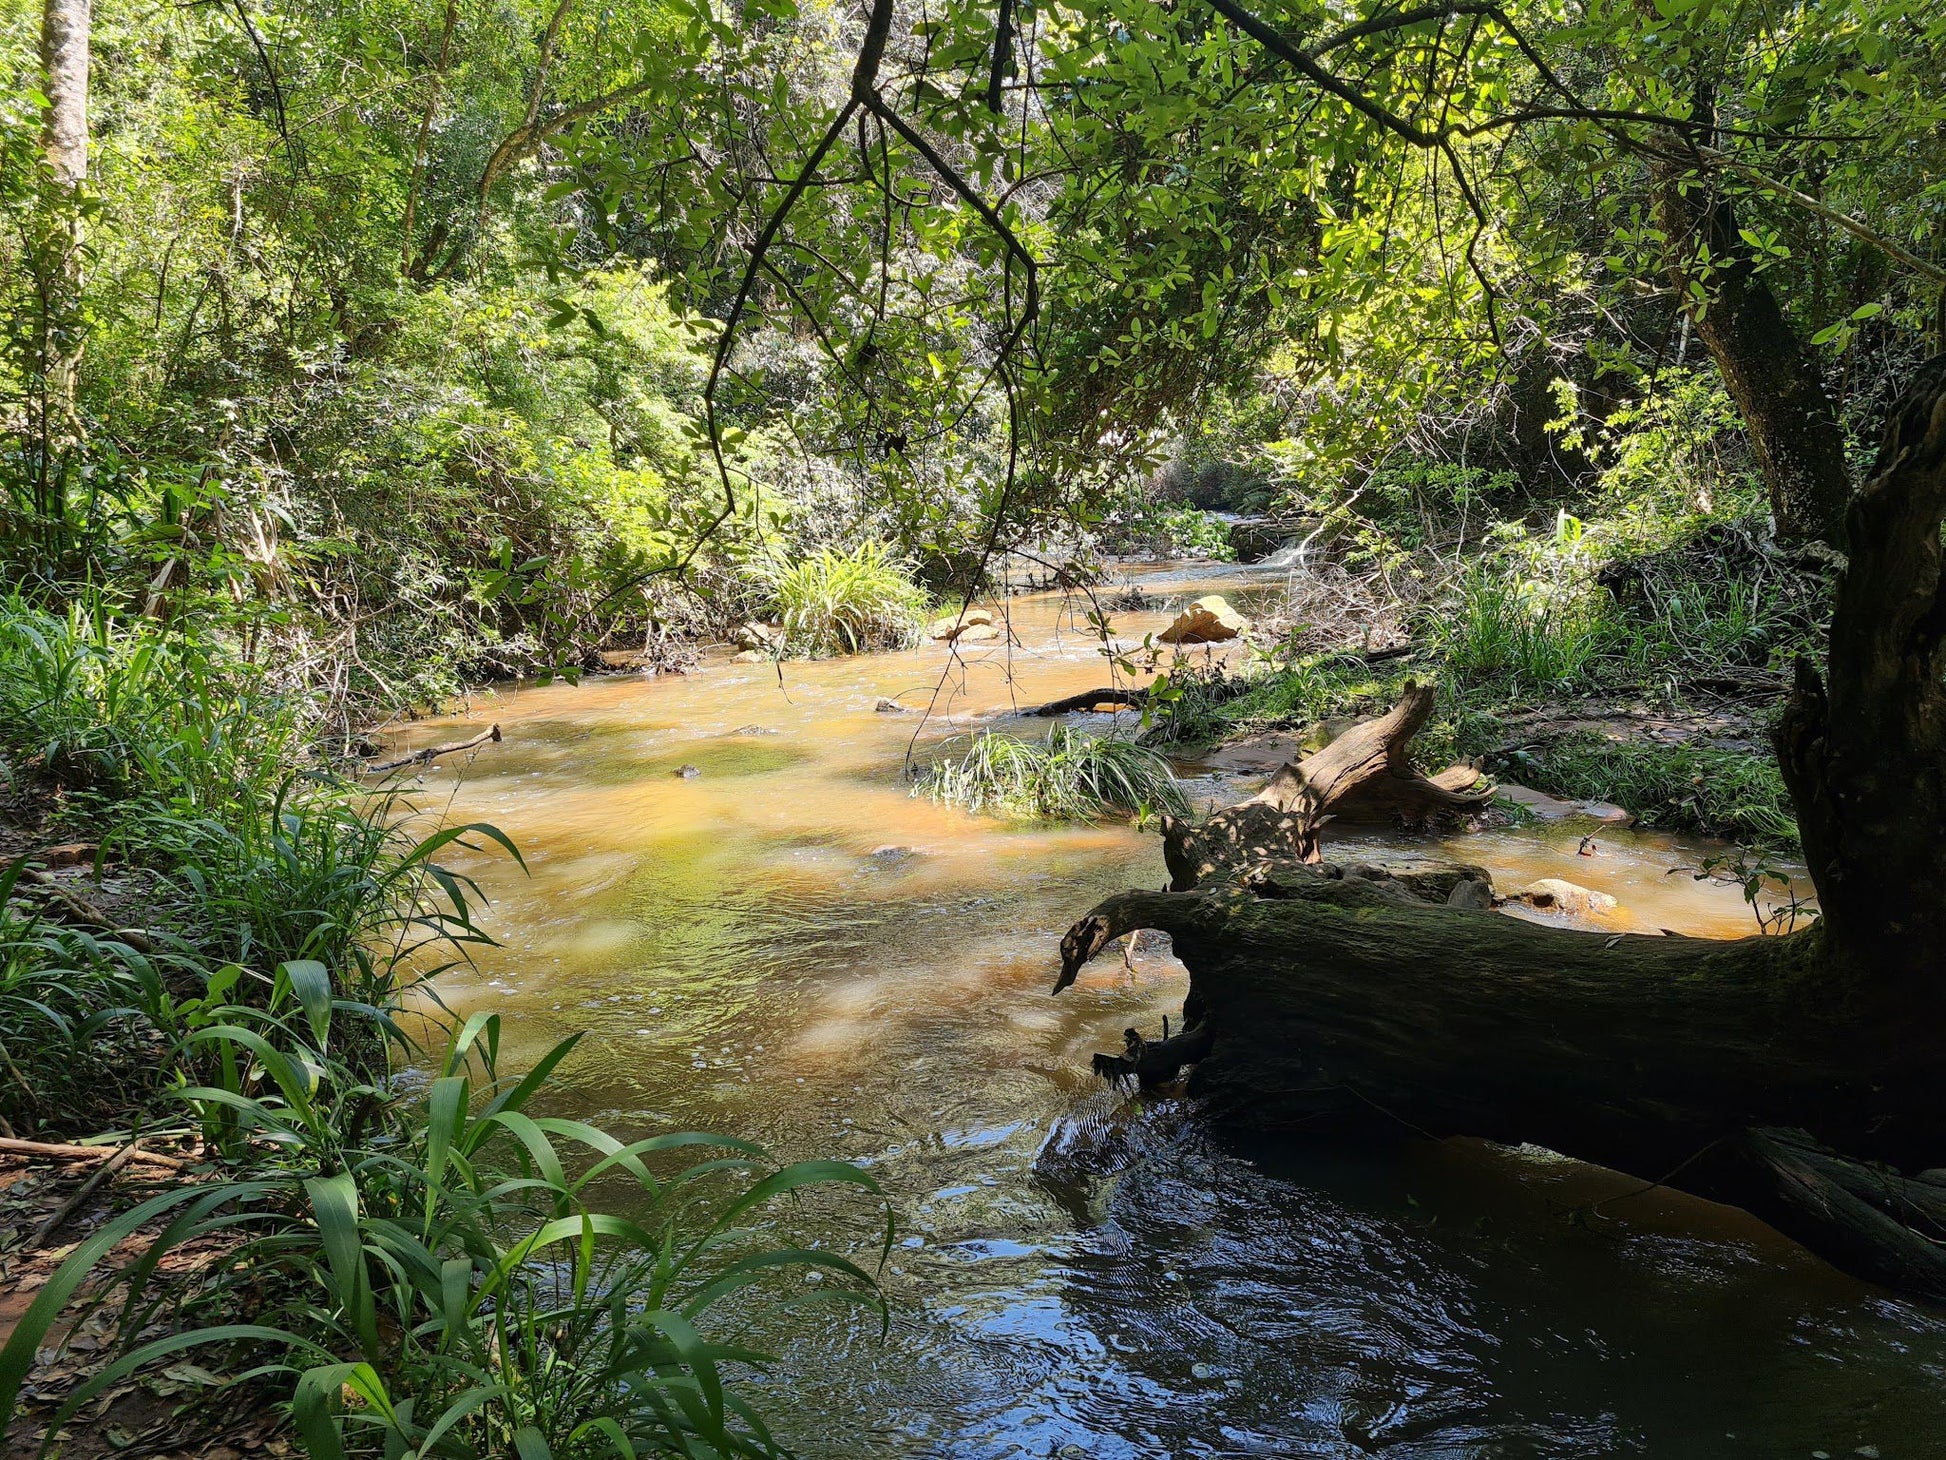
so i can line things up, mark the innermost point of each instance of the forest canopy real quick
(478, 341)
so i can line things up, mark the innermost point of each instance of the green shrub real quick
(1167, 529)
(1070, 776)
(845, 602)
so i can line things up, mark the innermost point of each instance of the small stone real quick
(1202, 1371)
(814, 1278)
(1870, 1452)
(1471, 892)
(889, 706)
(689, 773)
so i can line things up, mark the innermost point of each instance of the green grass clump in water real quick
(1733, 794)
(1070, 776)
(838, 602)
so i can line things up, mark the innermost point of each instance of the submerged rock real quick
(689, 772)
(889, 706)
(1552, 808)
(1209, 620)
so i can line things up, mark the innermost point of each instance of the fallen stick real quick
(62, 1151)
(44, 1233)
(1129, 698)
(432, 752)
(84, 911)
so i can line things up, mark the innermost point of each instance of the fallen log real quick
(1345, 998)
(63, 1151)
(1365, 771)
(1797, 1076)
(78, 909)
(433, 752)
(1091, 699)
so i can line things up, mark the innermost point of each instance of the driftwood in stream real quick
(1118, 699)
(433, 752)
(1364, 772)
(1798, 1077)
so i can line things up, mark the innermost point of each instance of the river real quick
(790, 947)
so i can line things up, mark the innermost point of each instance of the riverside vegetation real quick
(355, 358)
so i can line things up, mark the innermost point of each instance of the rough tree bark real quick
(1770, 374)
(1796, 1076)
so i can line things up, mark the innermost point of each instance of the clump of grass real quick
(1737, 795)
(839, 602)
(1530, 635)
(1070, 776)
(96, 704)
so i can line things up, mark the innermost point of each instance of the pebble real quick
(1202, 1371)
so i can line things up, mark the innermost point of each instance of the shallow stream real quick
(789, 946)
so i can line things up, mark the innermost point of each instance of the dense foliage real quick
(354, 352)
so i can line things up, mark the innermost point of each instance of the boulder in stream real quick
(960, 626)
(1556, 894)
(758, 638)
(1209, 620)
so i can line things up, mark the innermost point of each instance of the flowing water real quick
(789, 946)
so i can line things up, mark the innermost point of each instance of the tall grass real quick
(438, 1273)
(90, 702)
(1727, 793)
(845, 602)
(1070, 776)
(1533, 634)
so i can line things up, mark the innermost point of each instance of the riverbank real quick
(243, 1208)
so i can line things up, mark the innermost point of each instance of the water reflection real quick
(790, 947)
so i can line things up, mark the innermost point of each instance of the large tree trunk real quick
(1795, 1076)
(65, 52)
(1773, 378)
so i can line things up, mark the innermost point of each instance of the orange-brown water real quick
(790, 946)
